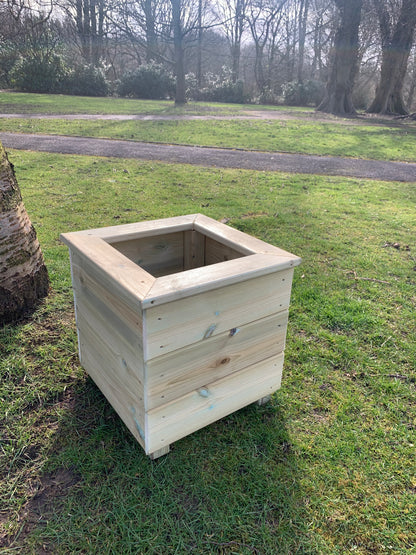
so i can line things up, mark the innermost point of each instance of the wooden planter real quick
(180, 321)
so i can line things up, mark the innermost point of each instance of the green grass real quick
(359, 141)
(29, 103)
(326, 467)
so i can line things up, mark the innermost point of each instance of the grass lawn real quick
(307, 137)
(377, 140)
(327, 467)
(30, 103)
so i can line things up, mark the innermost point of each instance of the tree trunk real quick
(396, 45)
(151, 39)
(303, 19)
(338, 97)
(199, 50)
(180, 96)
(23, 274)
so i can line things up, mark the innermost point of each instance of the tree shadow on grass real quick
(230, 488)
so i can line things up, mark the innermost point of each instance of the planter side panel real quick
(195, 410)
(175, 374)
(186, 321)
(110, 343)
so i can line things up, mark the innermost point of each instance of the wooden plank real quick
(158, 255)
(193, 249)
(110, 343)
(180, 323)
(126, 232)
(174, 374)
(160, 453)
(197, 409)
(199, 280)
(218, 252)
(111, 373)
(126, 279)
(104, 296)
(117, 325)
(234, 238)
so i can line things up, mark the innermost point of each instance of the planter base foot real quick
(160, 452)
(263, 400)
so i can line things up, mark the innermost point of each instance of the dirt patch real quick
(50, 491)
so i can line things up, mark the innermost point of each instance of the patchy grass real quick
(30, 103)
(326, 467)
(308, 137)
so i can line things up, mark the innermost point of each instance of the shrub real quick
(227, 91)
(85, 81)
(267, 96)
(148, 81)
(192, 89)
(8, 58)
(42, 73)
(303, 93)
(224, 90)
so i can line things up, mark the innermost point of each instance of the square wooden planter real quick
(180, 321)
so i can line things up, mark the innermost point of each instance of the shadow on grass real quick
(230, 488)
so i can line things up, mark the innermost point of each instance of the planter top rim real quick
(258, 258)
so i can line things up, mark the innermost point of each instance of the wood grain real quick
(197, 409)
(179, 323)
(186, 369)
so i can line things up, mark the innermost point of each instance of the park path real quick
(216, 157)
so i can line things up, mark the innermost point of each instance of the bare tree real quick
(338, 97)
(261, 16)
(397, 34)
(232, 14)
(23, 274)
(87, 18)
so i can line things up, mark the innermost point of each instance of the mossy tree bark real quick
(396, 43)
(23, 275)
(344, 66)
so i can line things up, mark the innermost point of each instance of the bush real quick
(85, 81)
(224, 90)
(267, 96)
(192, 89)
(303, 93)
(8, 58)
(148, 81)
(39, 74)
(228, 92)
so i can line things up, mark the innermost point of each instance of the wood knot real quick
(223, 361)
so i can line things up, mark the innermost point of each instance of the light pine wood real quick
(199, 408)
(217, 252)
(160, 452)
(186, 369)
(126, 232)
(110, 346)
(264, 400)
(194, 250)
(159, 255)
(246, 244)
(193, 282)
(119, 274)
(179, 323)
(98, 294)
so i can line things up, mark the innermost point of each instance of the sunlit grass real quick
(326, 467)
(359, 141)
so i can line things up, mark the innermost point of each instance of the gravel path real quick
(217, 157)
